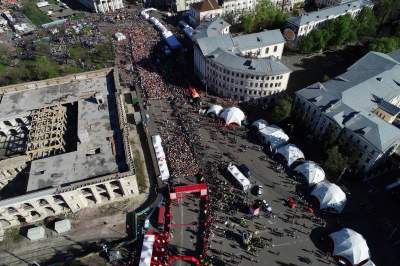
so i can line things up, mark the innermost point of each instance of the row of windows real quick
(249, 84)
(237, 74)
(247, 91)
(254, 92)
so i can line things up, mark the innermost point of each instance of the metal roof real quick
(210, 28)
(226, 50)
(329, 12)
(255, 66)
(350, 98)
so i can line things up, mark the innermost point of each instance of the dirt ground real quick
(90, 227)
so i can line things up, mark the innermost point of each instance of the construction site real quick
(63, 147)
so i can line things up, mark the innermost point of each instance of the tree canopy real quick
(281, 110)
(341, 31)
(335, 162)
(266, 15)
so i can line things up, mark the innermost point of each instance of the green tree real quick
(367, 23)
(5, 55)
(281, 110)
(387, 10)
(335, 161)
(266, 15)
(385, 44)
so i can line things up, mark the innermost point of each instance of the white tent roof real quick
(214, 109)
(161, 159)
(259, 124)
(312, 172)
(232, 115)
(330, 196)
(147, 250)
(291, 153)
(274, 136)
(369, 263)
(350, 245)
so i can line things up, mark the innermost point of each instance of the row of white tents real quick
(330, 196)
(347, 243)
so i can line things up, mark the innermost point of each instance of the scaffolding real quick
(46, 136)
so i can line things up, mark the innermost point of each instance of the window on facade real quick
(267, 50)
(261, 85)
(257, 77)
(251, 84)
(270, 85)
(267, 78)
(275, 48)
(241, 82)
(242, 75)
(256, 85)
(272, 78)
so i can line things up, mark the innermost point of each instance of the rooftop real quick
(349, 99)
(227, 50)
(90, 128)
(329, 12)
(210, 28)
(206, 5)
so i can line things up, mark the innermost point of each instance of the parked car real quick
(258, 190)
(245, 170)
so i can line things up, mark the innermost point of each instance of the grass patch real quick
(35, 15)
(78, 15)
(140, 175)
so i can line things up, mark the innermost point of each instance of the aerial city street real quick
(199, 132)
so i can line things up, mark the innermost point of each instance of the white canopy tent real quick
(350, 245)
(214, 109)
(291, 153)
(312, 172)
(274, 136)
(330, 196)
(161, 159)
(369, 263)
(232, 115)
(147, 250)
(259, 124)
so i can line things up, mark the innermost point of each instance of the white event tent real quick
(214, 109)
(232, 115)
(311, 172)
(291, 153)
(147, 250)
(259, 124)
(350, 245)
(330, 196)
(273, 136)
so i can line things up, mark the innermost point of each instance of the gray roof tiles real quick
(254, 40)
(210, 28)
(354, 96)
(260, 66)
(328, 12)
(226, 50)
